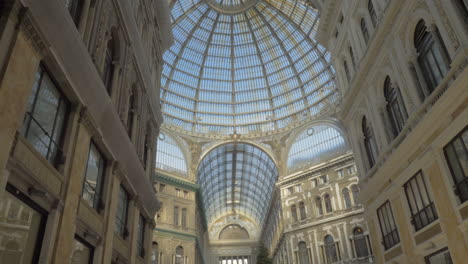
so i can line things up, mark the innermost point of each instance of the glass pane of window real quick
(92, 185)
(82, 252)
(44, 122)
(456, 153)
(22, 229)
(122, 210)
(440, 257)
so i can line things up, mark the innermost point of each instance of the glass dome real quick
(254, 70)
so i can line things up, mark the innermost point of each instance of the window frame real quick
(370, 143)
(175, 219)
(76, 8)
(13, 191)
(183, 217)
(437, 252)
(395, 106)
(85, 243)
(462, 196)
(416, 213)
(140, 244)
(389, 213)
(97, 204)
(123, 232)
(29, 118)
(364, 30)
(302, 211)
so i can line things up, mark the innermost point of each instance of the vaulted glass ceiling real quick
(236, 179)
(244, 70)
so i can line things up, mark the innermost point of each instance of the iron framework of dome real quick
(243, 70)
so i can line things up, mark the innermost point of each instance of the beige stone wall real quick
(29, 33)
(432, 121)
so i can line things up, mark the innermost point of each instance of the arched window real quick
(369, 142)
(353, 59)
(302, 210)
(346, 69)
(432, 56)
(328, 203)
(347, 198)
(303, 254)
(169, 156)
(294, 212)
(395, 107)
(108, 73)
(360, 243)
(176, 216)
(154, 253)
(179, 257)
(331, 254)
(365, 32)
(131, 112)
(318, 204)
(355, 191)
(372, 14)
(184, 217)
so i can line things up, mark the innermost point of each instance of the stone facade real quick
(301, 213)
(62, 49)
(375, 41)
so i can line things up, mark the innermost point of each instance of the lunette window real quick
(456, 154)
(387, 226)
(94, 177)
(423, 211)
(46, 117)
(122, 213)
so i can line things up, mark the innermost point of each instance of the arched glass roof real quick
(236, 179)
(314, 145)
(248, 70)
(169, 156)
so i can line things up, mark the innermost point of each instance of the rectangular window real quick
(75, 8)
(439, 257)
(456, 154)
(94, 176)
(45, 120)
(388, 226)
(122, 212)
(314, 183)
(184, 217)
(161, 187)
(324, 179)
(176, 216)
(82, 252)
(185, 194)
(351, 170)
(177, 192)
(298, 188)
(22, 226)
(290, 190)
(141, 237)
(340, 173)
(422, 207)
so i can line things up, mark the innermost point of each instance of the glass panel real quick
(245, 72)
(169, 156)
(442, 257)
(121, 216)
(92, 186)
(22, 229)
(82, 253)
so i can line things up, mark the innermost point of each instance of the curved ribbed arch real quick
(254, 71)
(169, 156)
(237, 179)
(315, 144)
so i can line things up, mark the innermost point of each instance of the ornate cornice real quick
(180, 235)
(314, 171)
(183, 184)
